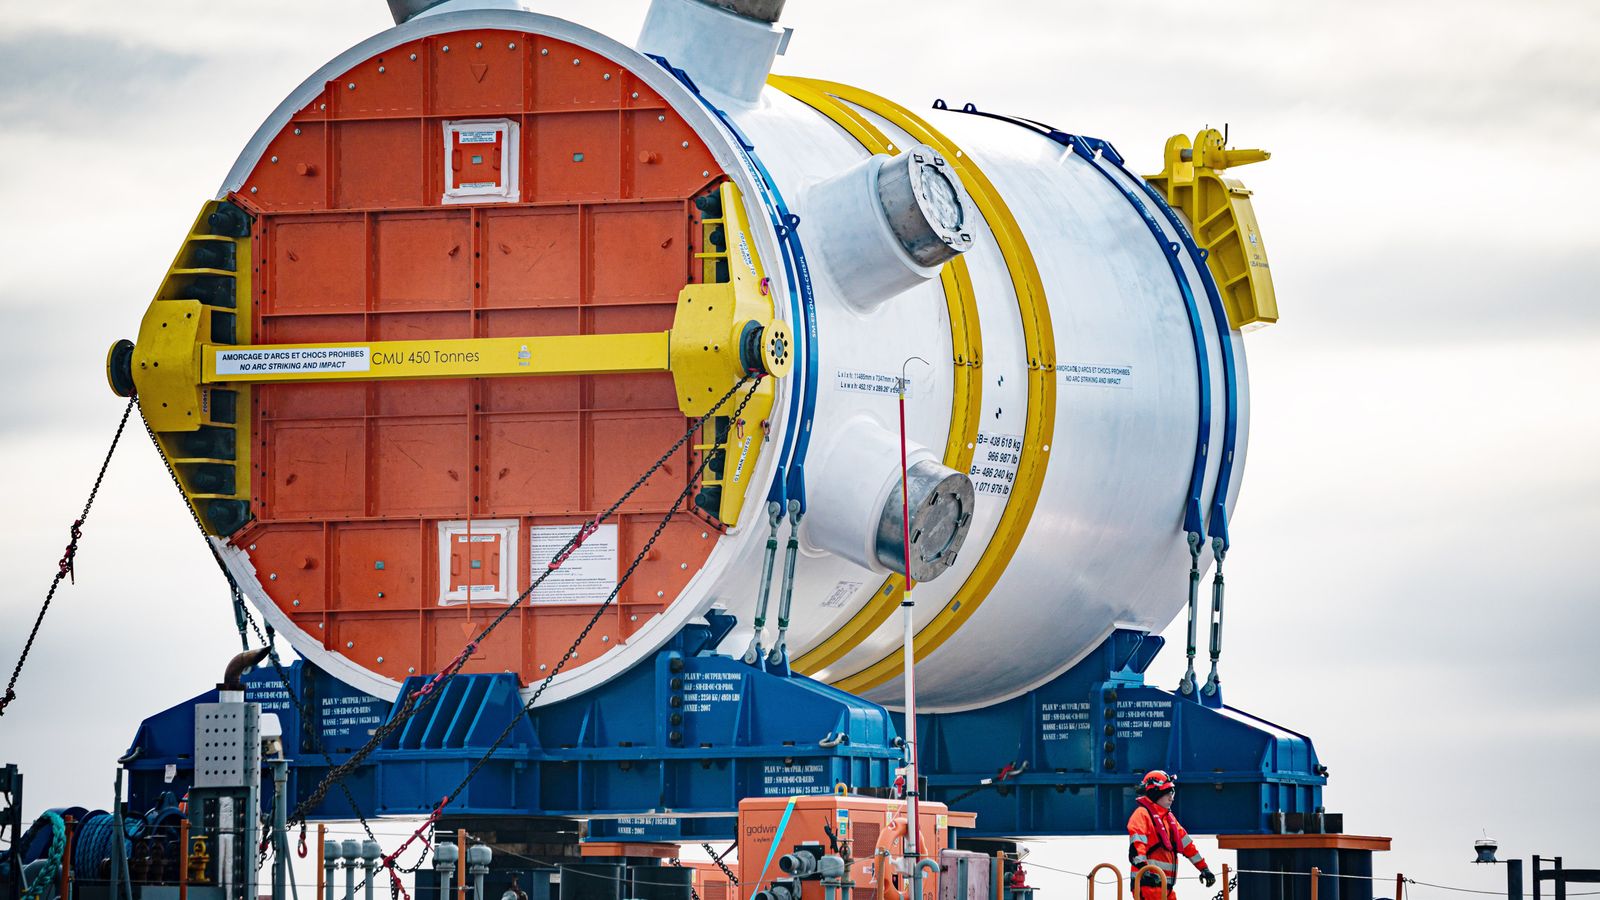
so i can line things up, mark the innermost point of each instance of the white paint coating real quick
(1103, 547)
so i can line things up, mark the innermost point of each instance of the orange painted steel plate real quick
(1302, 842)
(357, 241)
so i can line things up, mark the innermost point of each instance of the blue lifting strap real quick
(1090, 149)
(788, 482)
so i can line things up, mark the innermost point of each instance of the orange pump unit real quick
(827, 847)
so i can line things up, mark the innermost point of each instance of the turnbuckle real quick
(774, 515)
(1213, 682)
(786, 597)
(1187, 685)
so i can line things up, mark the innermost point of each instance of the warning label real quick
(588, 575)
(841, 592)
(1096, 375)
(304, 359)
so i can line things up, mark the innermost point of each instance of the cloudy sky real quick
(1415, 580)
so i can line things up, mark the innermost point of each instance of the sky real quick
(1414, 579)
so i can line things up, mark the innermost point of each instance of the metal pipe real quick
(760, 10)
(322, 853)
(330, 856)
(371, 854)
(280, 843)
(907, 607)
(351, 852)
(1513, 879)
(183, 857)
(1116, 874)
(1226, 891)
(406, 10)
(66, 862)
(232, 676)
(1316, 876)
(461, 864)
(120, 880)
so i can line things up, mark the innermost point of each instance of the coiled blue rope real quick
(46, 878)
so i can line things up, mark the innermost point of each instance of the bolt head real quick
(349, 644)
(479, 45)
(273, 576)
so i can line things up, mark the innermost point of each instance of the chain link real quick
(719, 857)
(421, 699)
(1233, 885)
(243, 618)
(639, 558)
(64, 568)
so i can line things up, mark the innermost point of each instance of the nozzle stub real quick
(926, 206)
(942, 501)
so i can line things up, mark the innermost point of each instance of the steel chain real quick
(1233, 885)
(64, 568)
(677, 863)
(243, 618)
(638, 559)
(622, 580)
(430, 692)
(719, 857)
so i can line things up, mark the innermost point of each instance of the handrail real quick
(1116, 872)
(1138, 875)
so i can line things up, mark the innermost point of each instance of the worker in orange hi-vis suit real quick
(1155, 838)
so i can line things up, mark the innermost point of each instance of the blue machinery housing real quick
(667, 751)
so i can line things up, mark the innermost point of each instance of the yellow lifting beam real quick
(188, 353)
(1223, 221)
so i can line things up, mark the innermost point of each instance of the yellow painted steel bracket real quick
(966, 354)
(1039, 339)
(202, 430)
(1223, 222)
(193, 351)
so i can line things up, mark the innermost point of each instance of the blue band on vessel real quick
(788, 481)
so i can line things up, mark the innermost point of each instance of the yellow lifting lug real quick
(1223, 222)
(724, 330)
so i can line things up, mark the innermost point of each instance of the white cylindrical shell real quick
(1103, 547)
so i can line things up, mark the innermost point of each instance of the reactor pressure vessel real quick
(483, 271)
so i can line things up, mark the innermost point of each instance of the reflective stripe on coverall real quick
(1154, 836)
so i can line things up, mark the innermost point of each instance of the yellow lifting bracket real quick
(191, 350)
(1223, 221)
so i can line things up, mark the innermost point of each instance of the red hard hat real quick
(1157, 781)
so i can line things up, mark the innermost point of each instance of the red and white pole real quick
(912, 873)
